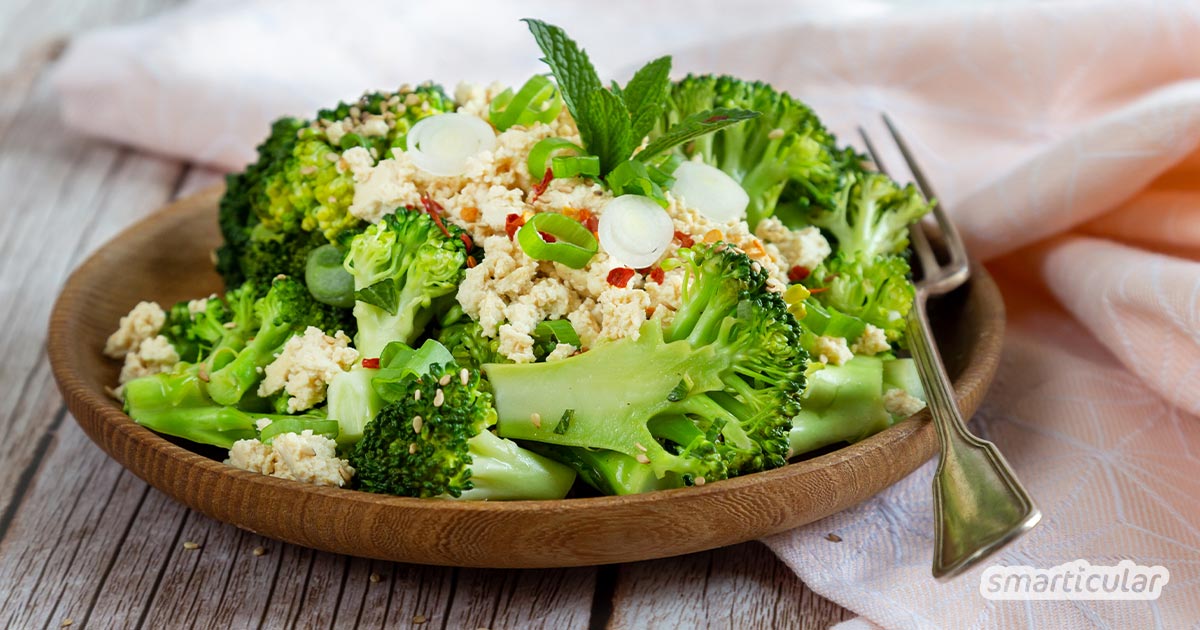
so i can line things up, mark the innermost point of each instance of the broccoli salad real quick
(542, 291)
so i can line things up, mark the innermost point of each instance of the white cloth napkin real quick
(1062, 137)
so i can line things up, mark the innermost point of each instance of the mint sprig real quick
(613, 122)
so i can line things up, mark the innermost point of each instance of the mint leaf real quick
(572, 69)
(646, 95)
(381, 294)
(694, 126)
(605, 129)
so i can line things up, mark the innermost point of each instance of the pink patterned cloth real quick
(1063, 138)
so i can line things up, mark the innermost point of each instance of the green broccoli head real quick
(709, 397)
(287, 309)
(297, 186)
(876, 290)
(783, 156)
(870, 216)
(470, 346)
(405, 268)
(438, 444)
(193, 334)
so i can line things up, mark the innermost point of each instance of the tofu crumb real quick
(153, 355)
(307, 365)
(805, 247)
(832, 350)
(561, 351)
(871, 342)
(297, 456)
(142, 323)
(901, 404)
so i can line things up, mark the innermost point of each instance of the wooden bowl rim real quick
(81, 397)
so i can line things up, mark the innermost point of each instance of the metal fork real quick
(978, 504)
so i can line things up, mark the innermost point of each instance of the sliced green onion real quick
(560, 329)
(327, 428)
(573, 244)
(575, 166)
(635, 231)
(632, 177)
(543, 151)
(710, 191)
(441, 144)
(536, 101)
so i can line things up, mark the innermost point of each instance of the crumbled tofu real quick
(516, 345)
(306, 366)
(561, 351)
(298, 456)
(197, 306)
(380, 189)
(152, 356)
(871, 342)
(805, 247)
(622, 311)
(901, 404)
(142, 323)
(832, 350)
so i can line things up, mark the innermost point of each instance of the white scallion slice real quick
(711, 191)
(441, 144)
(635, 231)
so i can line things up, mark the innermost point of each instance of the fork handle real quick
(979, 505)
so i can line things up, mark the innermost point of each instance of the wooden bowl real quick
(166, 257)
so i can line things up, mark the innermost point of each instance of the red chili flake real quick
(471, 262)
(371, 364)
(467, 241)
(619, 276)
(512, 223)
(538, 189)
(649, 312)
(548, 237)
(684, 239)
(818, 290)
(657, 274)
(434, 209)
(798, 273)
(589, 220)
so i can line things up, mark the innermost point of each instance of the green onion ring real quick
(541, 153)
(574, 245)
(536, 101)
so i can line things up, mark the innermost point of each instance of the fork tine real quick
(920, 244)
(954, 244)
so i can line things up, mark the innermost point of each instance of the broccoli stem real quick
(842, 404)
(230, 383)
(503, 471)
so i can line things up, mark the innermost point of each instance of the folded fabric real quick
(1063, 138)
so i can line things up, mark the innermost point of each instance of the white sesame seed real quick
(418, 619)
(374, 578)
(189, 545)
(66, 622)
(308, 170)
(642, 459)
(412, 448)
(230, 325)
(259, 551)
(699, 481)
(282, 276)
(775, 134)
(445, 380)
(417, 395)
(464, 376)
(640, 447)
(536, 419)
(417, 423)
(439, 398)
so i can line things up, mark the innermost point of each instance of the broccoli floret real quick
(176, 403)
(878, 291)
(244, 191)
(438, 444)
(470, 347)
(784, 155)
(295, 197)
(193, 335)
(870, 216)
(845, 403)
(708, 397)
(286, 310)
(406, 268)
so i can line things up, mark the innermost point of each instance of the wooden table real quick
(83, 542)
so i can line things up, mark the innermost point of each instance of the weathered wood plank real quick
(744, 586)
(549, 598)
